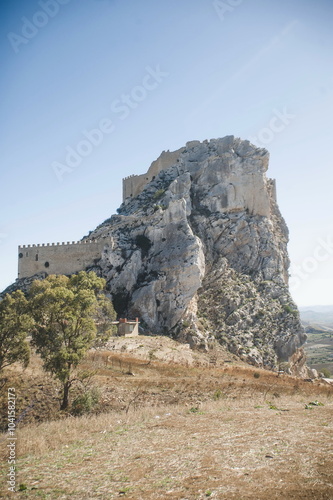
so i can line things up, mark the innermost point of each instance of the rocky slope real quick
(201, 254)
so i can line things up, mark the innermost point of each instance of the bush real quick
(326, 372)
(289, 309)
(85, 402)
(158, 194)
(217, 395)
(256, 375)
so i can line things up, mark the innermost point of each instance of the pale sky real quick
(152, 75)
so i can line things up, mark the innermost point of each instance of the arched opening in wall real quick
(47, 264)
(36, 256)
(20, 255)
(27, 254)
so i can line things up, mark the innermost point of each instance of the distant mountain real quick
(317, 314)
(321, 309)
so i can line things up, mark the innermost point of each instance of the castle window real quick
(20, 255)
(27, 254)
(46, 264)
(36, 256)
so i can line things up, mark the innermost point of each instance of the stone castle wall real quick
(135, 184)
(66, 258)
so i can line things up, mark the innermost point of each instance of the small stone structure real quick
(127, 327)
(66, 258)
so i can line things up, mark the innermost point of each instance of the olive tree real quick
(15, 324)
(64, 310)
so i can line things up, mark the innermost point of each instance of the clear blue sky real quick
(193, 69)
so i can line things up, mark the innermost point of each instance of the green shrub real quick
(289, 309)
(86, 402)
(158, 194)
(217, 394)
(195, 409)
(326, 372)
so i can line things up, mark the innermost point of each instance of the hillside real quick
(191, 426)
(198, 252)
(318, 323)
(317, 314)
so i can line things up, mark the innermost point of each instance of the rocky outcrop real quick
(23, 284)
(201, 253)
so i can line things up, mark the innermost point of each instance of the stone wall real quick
(66, 258)
(135, 184)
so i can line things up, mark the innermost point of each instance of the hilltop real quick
(197, 251)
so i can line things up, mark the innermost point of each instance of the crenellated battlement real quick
(60, 258)
(129, 177)
(135, 184)
(46, 245)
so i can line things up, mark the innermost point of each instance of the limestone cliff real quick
(198, 251)
(201, 253)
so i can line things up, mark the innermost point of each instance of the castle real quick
(65, 258)
(135, 184)
(72, 257)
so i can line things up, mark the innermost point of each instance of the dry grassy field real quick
(182, 428)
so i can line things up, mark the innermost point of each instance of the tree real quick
(104, 317)
(104, 314)
(15, 323)
(64, 310)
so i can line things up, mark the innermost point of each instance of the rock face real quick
(201, 254)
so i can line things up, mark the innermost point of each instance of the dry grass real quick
(171, 431)
(231, 448)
